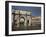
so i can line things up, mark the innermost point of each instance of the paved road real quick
(27, 28)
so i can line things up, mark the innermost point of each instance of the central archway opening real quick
(22, 21)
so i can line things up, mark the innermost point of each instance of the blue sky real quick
(36, 11)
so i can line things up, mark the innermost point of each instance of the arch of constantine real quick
(24, 20)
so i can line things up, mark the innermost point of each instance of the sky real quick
(36, 11)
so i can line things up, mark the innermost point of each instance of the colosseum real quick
(23, 20)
